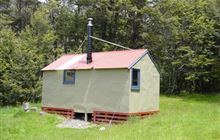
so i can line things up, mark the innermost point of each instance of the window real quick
(135, 83)
(69, 77)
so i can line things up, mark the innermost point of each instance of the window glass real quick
(69, 77)
(135, 78)
(135, 85)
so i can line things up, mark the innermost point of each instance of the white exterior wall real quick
(105, 90)
(147, 98)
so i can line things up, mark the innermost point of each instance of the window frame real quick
(65, 81)
(135, 87)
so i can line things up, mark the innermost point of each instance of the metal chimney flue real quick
(89, 47)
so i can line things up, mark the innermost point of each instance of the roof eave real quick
(85, 69)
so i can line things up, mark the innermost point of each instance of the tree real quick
(183, 37)
(215, 10)
(23, 57)
(184, 41)
(40, 36)
(18, 70)
(70, 28)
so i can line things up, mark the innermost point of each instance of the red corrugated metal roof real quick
(101, 60)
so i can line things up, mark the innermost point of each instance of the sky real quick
(42, 0)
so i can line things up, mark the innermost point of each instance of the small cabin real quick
(106, 86)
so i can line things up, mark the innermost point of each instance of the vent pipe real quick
(89, 47)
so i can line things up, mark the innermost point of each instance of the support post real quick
(86, 117)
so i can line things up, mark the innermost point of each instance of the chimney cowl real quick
(90, 21)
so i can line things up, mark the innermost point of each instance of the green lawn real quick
(186, 117)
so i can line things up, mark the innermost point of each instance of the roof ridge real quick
(106, 51)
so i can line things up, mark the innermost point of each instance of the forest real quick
(182, 36)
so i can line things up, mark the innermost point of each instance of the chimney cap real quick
(90, 21)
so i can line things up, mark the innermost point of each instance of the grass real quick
(185, 117)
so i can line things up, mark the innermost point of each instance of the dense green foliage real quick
(188, 117)
(183, 36)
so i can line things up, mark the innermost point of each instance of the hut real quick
(108, 86)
